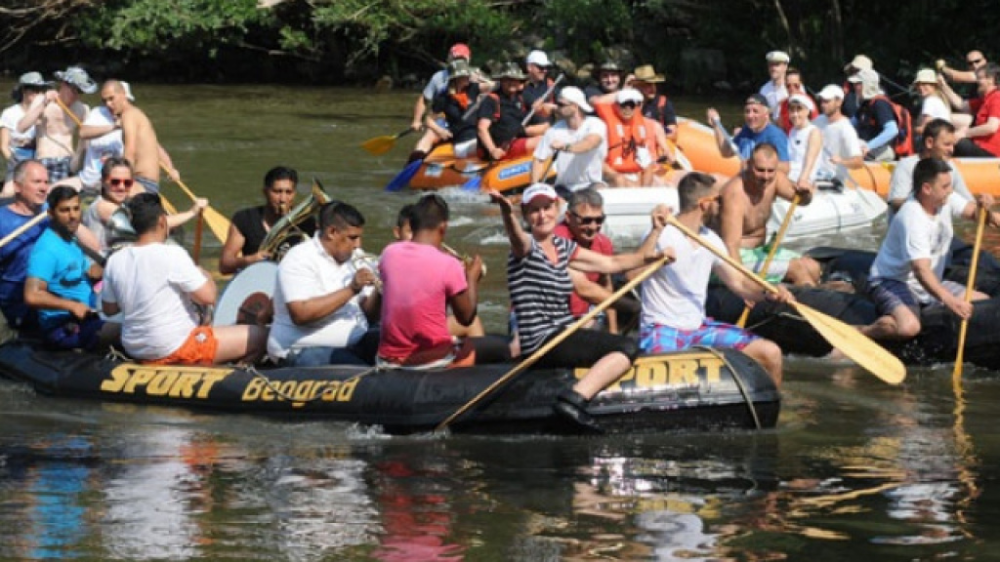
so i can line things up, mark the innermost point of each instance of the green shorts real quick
(754, 259)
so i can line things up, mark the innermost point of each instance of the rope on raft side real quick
(739, 383)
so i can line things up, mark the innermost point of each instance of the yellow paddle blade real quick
(861, 349)
(217, 222)
(379, 145)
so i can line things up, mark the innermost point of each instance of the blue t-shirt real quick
(747, 140)
(63, 266)
(14, 263)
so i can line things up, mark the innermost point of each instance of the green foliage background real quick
(332, 41)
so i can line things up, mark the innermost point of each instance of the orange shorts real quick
(198, 349)
(462, 355)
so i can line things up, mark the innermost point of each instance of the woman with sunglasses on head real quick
(805, 143)
(541, 268)
(116, 184)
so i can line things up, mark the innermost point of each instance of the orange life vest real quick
(624, 139)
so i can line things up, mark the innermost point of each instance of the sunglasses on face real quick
(628, 104)
(589, 220)
(115, 182)
(974, 63)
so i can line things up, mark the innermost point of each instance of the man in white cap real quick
(54, 127)
(632, 141)
(578, 142)
(841, 146)
(537, 68)
(875, 119)
(851, 100)
(774, 91)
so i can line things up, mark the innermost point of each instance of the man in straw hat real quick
(578, 142)
(54, 127)
(502, 135)
(655, 105)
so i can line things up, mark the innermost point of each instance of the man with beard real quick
(746, 206)
(251, 226)
(61, 278)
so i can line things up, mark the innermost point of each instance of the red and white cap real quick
(460, 51)
(538, 191)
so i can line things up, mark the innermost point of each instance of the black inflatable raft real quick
(937, 342)
(703, 389)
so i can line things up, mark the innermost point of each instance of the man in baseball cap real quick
(537, 65)
(578, 142)
(840, 138)
(757, 128)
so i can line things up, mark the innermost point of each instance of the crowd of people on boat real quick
(416, 308)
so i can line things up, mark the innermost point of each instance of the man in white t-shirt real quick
(908, 270)
(578, 142)
(841, 145)
(774, 91)
(938, 142)
(673, 298)
(155, 287)
(324, 298)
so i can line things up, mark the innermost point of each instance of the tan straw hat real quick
(645, 73)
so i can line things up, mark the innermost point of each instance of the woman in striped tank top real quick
(541, 270)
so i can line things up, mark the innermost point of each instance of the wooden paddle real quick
(534, 357)
(23, 228)
(970, 286)
(217, 222)
(742, 322)
(163, 199)
(847, 339)
(199, 229)
(383, 144)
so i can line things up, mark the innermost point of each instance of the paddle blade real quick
(217, 222)
(474, 183)
(852, 343)
(379, 145)
(403, 178)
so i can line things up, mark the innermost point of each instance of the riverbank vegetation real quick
(699, 43)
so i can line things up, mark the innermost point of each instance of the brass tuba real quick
(289, 227)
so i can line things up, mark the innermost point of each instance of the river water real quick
(855, 468)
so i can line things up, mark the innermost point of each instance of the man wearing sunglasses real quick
(974, 61)
(582, 224)
(578, 142)
(61, 278)
(632, 140)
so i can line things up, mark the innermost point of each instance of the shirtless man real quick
(139, 138)
(55, 129)
(746, 206)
